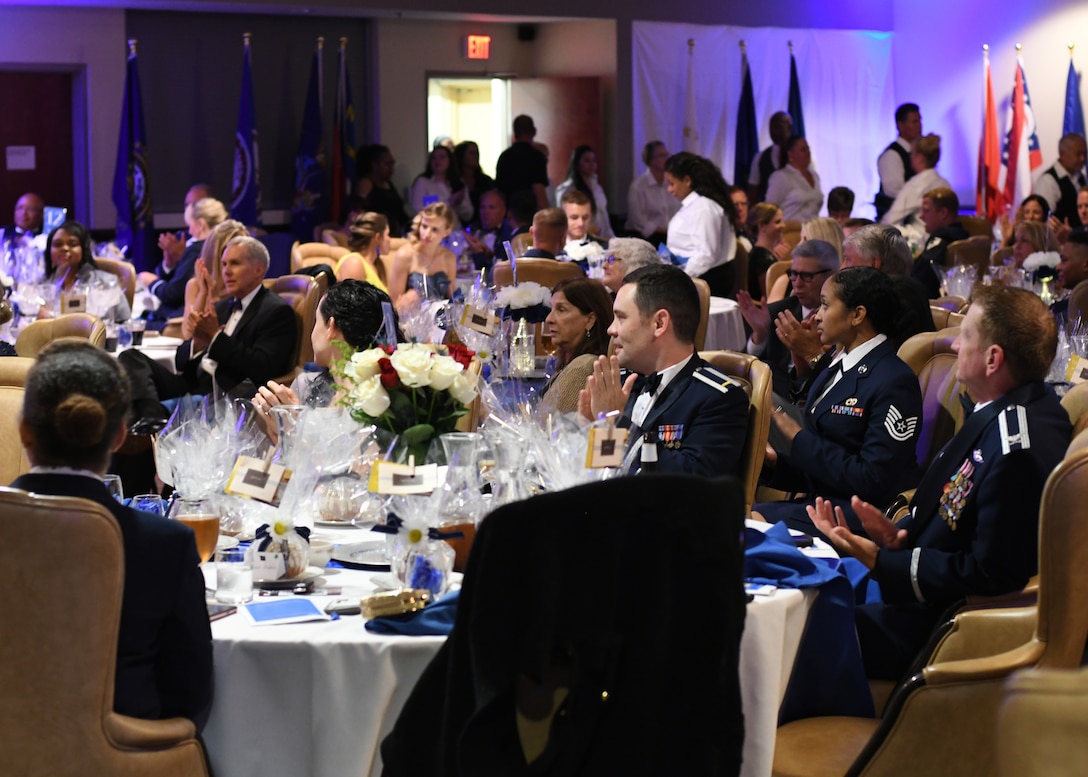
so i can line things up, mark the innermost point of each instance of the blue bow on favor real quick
(265, 536)
(393, 524)
(433, 620)
(828, 676)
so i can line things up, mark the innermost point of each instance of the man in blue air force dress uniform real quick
(973, 527)
(680, 412)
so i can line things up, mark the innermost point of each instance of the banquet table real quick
(318, 698)
(725, 328)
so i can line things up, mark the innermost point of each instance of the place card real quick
(481, 321)
(258, 479)
(268, 565)
(73, 303)
(389, 478)
(1077, 371)
(606, 447)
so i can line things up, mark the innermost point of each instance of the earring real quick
(589, 333)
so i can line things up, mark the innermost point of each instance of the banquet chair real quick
(999, 256)
(13, 459)
(59, 651)
(125, 272)
(521, 243)
(1078, 303)
(488, 698)
(1041, 724)
(740, 270)
(974, 251)
(302, 293)
(13, 370)
(1075, 403)
(546, 272)
(776, 271)
(306, 254)
(791, 233)
(942, 720)
(756, 376)
(977, 226)
(703, 288)
(38, 334)
(950, 302)
(940, 316)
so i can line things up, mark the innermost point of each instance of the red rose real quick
(461, 354)
(389, 377)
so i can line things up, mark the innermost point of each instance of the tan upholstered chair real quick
(13, 370)
(776, 271)
(977, 225)
(940, 316)
(756, 376)
(307, 254)
(740, 269)
(59, 651)
(951, 303)
(1075, 403)
(1042, 722)
(303, 293)
(13, 460)
(703, 288)
(546, 272)
(791, 233)
(125, 272)
(38, 334)
(974, 251)
(997, 259)
(943, 719)
(1078, 302)
(521, 243)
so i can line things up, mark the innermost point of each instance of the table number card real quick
(606, 447)
(73, 302)
(389, 478)
(1077, 371)
(480, 321)
(257, 479)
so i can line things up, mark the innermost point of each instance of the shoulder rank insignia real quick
(901, 429)
(670, 435)
(714, 378)
(955, 494)
(1014, 429)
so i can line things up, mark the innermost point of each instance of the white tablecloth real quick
(725, 329)
(318, 698)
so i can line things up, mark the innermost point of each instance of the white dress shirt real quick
(209, 365)
(645, 401)
(1047, 188)
(600, 219)
(702, 234)
(889, 166)
(908, 203)
(649, 205)
(789, 190)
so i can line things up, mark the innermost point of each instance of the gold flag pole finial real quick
(691, 45)
(245, 37)
(985, 51)
(1019, 47)
(132, 46)
(743, 46)
(343, 43)
(790, 44)
(320, 42)
(1070, 48)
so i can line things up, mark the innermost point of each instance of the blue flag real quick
(343, 163)
(246, 203)
(311, 203)
(131, 186)
(794, 107)
(1073, 118)
(747, 147)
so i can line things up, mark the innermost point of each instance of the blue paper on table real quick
(289, 610)
(828, 677)
(434, 620)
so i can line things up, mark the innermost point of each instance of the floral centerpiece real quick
(583, 250)
(526, 301)
(1042, 264)
(413, 390)
(282, 536)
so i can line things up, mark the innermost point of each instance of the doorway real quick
(476, 109)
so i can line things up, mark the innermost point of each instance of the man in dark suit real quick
(783, 334)
(164, 650)
(940, 214)
(249, 338)
(29, 217)
(973, 525)
(683, 415)
(522, 167)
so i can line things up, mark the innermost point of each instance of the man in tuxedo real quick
(29, 217)
(771, 158)
(1060, 182)
(893, 164)
(522, 167)
(681, 414)
(973, 524)
(247, 340)
(941, 215)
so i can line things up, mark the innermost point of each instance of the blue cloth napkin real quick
(828, 677)
(434, 620)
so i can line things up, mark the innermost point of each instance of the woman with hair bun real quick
(368, 238)
(74, 408)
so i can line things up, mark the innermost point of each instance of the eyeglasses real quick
(610, 259)
(807, 277)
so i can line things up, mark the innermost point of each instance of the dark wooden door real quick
(567, 113)
(36, 110)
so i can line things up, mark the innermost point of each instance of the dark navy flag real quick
(131, 187)
(1073, 118)
(747, 133)
(246, 203)
(343, 163)
(311, 202)
(794, 107)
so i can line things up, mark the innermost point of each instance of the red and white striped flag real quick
(1021, 153)
(989, 198)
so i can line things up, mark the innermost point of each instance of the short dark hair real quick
(840, 199)
(1078, 237)
(1021, 323)
(75, 403)
(944, 198)
(1039, 200)
(666, 287)
(575, 197)
(874, 290)
(80, 233)
(589, 296)
(523, 125)
(648, 151)
(904, 111)
(356, 307)
(522, 205)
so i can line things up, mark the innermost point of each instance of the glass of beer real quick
(201, 516)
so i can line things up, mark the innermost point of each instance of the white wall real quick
(93, 39)
(937, 62)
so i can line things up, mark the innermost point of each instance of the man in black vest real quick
(893, 164)
(770, 159)
(1060, 182)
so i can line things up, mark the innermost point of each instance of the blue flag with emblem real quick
(1073, 117)
(131, 188)
(747, 146)
(794, 105)
(246, 202)
(311, 205)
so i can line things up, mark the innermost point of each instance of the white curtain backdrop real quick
(846, 92)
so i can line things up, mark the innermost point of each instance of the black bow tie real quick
(648, 384)
(233, 305)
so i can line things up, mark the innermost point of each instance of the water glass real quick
(233, 576)
(113, 485)
(149, 503)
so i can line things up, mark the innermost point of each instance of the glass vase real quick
(460, 504)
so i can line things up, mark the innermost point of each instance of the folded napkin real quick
(828, 677)
(433, 620)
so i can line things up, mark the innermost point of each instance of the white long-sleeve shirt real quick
(649, 205)
(889, 166)
(908, 203)
(424, 188)
(700, 232)
(788, 189)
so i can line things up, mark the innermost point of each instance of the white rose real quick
(524, 295)
(370, 397)
(413, 364)
(443, 371)
(463, 389)
(364, 364)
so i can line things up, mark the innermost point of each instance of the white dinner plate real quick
(362, 555)
(345, 524)
(225, 543)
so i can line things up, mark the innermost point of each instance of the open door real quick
(568, 112)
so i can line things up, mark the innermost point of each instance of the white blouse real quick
(700, 232)
(649, 205)
(788, 189)
(424, 187)
(908, 203)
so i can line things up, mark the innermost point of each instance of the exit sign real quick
(478, 46)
